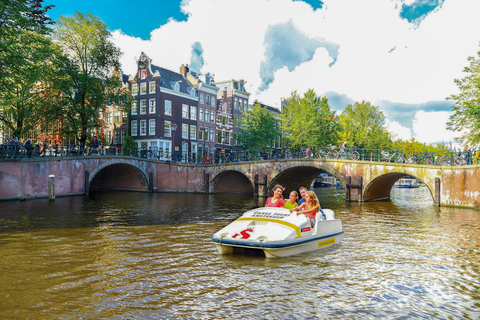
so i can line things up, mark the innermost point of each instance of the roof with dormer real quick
(168, 78)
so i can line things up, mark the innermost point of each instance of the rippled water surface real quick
(150, 256)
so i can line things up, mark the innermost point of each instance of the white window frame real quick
(200, 114)
(143, 73)
(184, 131)
(167, 125)
(193, 113)
(212, 117)
(133, 128)
(143, 127)
(185, 111)
(134, 89)
(152, 87)
(143, 106)
(202, 98)
(152, 106)
(151, 127)
(193, 132)
(207, 114)
(168, 108)
(134, 108)
(143, 88)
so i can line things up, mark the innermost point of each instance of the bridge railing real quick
(17, 151)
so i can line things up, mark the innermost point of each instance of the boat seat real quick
(328, 213)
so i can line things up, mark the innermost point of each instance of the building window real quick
(235, 104)
(134, 107)
(175, 86)
(193, 132)
(108, 136)
(152, 87)
(202, 98)
(213, 101)
(134, 89)
(207, 114)
(108, 117)
(193, 113)
(212, 117)
(227, 137)
(211, 134)
(235, 141)
(152, 106)
(143, 73)
(143, 127)
(200, 114)
(234, 120)
(116, 117)
(168, 107)
(208, 99)
(184, 131)
(122, 137)
(143, 88)
(184, 111)
(124, 117)
(116, 136)
(219, 136)
(167, 128)
(200, 133)
(151, 127)
(134, 128)
(143, 106)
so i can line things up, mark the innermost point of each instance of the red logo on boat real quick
(243, 233)
(306, 229)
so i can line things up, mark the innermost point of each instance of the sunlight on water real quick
(150, 256)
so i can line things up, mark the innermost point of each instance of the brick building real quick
(164, 111)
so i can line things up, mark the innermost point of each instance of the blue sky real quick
(401, 55)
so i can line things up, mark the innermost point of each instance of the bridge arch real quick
(297, 176)
(118, 176)
(380, 188)
(231, 181)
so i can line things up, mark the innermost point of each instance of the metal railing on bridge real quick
(448, 158)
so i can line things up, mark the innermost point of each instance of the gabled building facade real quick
(224, 124)
(207, 109)
(238, 98)
(164, 112)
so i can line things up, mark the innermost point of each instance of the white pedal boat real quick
(278, 233)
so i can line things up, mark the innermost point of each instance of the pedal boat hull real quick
(278, 233)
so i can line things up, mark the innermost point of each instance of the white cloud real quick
(431, 127)
(398, 130)
(421, 67)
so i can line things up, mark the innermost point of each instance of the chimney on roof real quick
(184, 70)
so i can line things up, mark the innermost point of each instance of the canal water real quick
(150, 256)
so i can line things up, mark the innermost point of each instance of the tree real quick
(466, 109)
(86, 79)
(259, 128)
(25, 92)
(308, 121)
(25, 57)
(18, 19)
(363, 125)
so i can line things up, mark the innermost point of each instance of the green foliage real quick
(25, 61)
(466, 110)
(85, 78)
(414, 145)
(258, 128)
(308, 121)
(363, 125)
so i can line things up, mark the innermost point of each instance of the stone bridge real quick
(362, 180)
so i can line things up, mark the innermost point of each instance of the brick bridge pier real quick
(362, 180)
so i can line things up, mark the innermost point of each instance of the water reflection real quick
(141, 256)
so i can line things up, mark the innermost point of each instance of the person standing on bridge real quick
(277, 199)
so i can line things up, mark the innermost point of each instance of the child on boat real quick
(291, 202)
(276, 200)
(309, 207)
